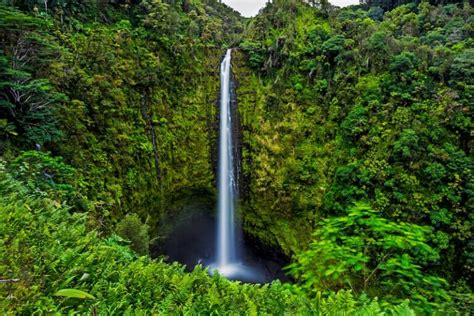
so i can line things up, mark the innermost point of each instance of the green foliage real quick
(33, 227)
(52, 255)
(45, 174)
(74, 294)
(254, 52)
(29, 105)
(391, 4)
(336, 106)
(359, 106)
(131, 228)
(368, 254)
(38, 169)
(135, 104)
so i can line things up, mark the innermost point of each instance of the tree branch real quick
(366, 281)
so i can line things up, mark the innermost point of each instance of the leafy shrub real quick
(39, 169)
(132, 229)
(51, 263)
(255, 53)
(369, 254)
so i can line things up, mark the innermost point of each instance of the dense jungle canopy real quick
(355, 140)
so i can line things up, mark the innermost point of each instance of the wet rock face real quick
(237, 138)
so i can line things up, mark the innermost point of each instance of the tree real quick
(29, 103)
(132, 229)
(369, 254)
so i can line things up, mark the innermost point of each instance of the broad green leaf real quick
(74, 293)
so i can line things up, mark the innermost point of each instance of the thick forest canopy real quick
(354, 142)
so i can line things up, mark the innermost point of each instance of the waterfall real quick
(226, 182)
(229, 246)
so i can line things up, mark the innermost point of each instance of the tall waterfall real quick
(226, 182)
(228, 237)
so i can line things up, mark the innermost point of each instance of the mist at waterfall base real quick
(229, 256)
(192, 241)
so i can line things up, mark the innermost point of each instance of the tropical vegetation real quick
(355, 141)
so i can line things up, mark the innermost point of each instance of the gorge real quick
(139, 154)
(192, 236)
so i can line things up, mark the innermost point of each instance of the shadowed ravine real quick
(192, 242)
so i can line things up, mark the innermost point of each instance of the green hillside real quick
(355, 139)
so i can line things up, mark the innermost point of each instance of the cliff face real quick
(130, 93)
(267, 136)
(118, 144)
(358, 106)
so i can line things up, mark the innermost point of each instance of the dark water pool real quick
(191, 241)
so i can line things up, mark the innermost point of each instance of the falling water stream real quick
(227, 248)
(227, 189)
